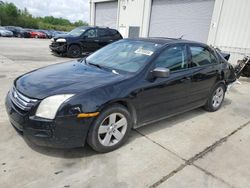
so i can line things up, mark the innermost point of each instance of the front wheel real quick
(110, 130)
(74, 51)
(216, 98)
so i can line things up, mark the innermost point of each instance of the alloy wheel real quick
(218, 97)
(112, 129)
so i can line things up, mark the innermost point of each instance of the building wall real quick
(230, 27)
(130, 13)
(134, 13)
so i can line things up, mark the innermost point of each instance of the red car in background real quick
(37, 34)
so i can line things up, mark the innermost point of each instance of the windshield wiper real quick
(93, 64)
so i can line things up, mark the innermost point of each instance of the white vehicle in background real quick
(5, 33)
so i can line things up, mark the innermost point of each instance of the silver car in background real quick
(5, 33)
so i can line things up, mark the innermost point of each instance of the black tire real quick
(93, 136)
(210, 104)
(74, 51)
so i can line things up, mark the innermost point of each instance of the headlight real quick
(52, 40)
(61, 40)
(49, 106)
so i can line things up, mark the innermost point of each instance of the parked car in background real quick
(83, 40)
(47, 33)
(127, 84)
(5, 33)
(37, 34)
(18, 31)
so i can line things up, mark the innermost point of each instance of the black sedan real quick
(124, 85)
(18, 32)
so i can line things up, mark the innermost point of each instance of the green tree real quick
(11, 15)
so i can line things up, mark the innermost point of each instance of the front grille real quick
(21, 101)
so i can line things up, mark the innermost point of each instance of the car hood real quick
(65, 78)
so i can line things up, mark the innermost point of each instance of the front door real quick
(162, 97)
(90, 41)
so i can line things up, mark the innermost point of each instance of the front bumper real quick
(59, 48)
(62, 132)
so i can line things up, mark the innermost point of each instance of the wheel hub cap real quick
(218, 97)
(112, 129)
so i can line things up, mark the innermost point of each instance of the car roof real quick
(91, 27)
(165, 40)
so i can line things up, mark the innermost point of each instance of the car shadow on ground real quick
(87, 151)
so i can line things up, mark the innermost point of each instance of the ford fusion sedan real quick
(124, 85)
(83, 40)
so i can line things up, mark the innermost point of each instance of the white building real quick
(221, 23)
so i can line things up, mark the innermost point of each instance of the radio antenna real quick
(181, 36)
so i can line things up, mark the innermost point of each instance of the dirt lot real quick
(194, 149)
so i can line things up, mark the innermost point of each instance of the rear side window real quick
(103, 33)
(201, 56)
(115, 33)
(174, 58)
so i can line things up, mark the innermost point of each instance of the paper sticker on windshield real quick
(144, 52)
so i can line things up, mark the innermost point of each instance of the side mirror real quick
(161, 72)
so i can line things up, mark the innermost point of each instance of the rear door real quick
(205, 69)
(104, 37)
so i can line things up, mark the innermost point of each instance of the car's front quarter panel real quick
(95, 99)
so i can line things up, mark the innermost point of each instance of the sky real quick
(72, 10)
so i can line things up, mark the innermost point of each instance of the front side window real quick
(174, 58)
(91, 33)
(201, 56)
(124, 55)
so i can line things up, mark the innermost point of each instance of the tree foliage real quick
(11, 15)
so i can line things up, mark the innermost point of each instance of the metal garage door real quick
(174, 18)
(106, 14)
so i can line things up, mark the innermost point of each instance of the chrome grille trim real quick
(21, 101)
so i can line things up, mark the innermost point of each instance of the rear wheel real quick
(216, 98)
(111, 129)
(74, 51)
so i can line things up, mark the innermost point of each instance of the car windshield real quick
(77, 31)
(124, 55)
(2, 28)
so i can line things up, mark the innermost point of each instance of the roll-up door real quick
(174, 18)
(106, 14)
